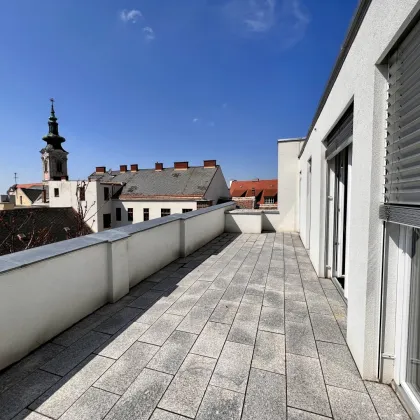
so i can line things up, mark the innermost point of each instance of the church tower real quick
(54, 157)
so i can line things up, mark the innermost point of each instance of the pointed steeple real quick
(53, 137)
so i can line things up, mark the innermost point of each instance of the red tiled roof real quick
(36, 184)
(263, 187)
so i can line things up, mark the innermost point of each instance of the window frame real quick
(165, 210)
(110, 220)
(146, 211)
(56, 192)
(106, 194)
(186, 210)
(130, 214)
(118, 213)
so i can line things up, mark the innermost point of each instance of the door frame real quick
(308, 203)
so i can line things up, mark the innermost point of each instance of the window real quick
(59, 166)
(56, 192)
(268, 200)
(107, 220)
(118, 214)
(145, 214)
(82, 193)
(186, 210)
(46, 165)
(20, 200)
(165, 212)
(130, 215)
(106, 193)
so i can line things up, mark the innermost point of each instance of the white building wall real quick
(360, 78)
(153, 206)
(217, 188)
(288, 184)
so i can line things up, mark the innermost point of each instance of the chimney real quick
(134, 167)
(100, 169)
(210, 163)
(182, 166)
(158, 166)
(123, 168)
(253, 192)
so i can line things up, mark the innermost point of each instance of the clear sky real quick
(140, 81)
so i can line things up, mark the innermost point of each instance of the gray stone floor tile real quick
(112, 308)
(255, 289)
(159, 414)
(252, 299)
(80, 329)
(272, 320)
(338, 366)
(294, 292)
(210, 298)
(234, 293)
(220, 404)
(265, 397)
(351, 405)
(244, 330)
(305, 385)
(141, 398)
(29, 415)
(300, 339)
(65, 361)
(198, 288)
(94, 404)
(141, 288)
(152, 314)
(19, 396)
(146, 299)
(159, 332)
(296, 311)
(269, 352)
(225, 312)
(211, 340)
(119, 320)
(386, 402)
(28, 364)
(221, 283)
(326, 328)
(171, 355)
(55, 401)
(195, 320)
(294, 414)
(119, 343)
(317, 304)
(232, 368)
(124, 371)
(273, 298)
(186, 391)
(183, 305)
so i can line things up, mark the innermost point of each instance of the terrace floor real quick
(241, 329)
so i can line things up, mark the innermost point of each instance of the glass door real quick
(340, 216)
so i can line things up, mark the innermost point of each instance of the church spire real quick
(53, 137)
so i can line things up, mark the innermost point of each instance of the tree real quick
(19, 231)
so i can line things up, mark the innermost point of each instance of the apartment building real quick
(353, 189)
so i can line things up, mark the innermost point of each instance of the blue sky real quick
(140, 81)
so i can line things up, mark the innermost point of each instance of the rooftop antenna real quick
(16, 177)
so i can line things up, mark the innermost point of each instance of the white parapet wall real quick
(253, 221)
(45, 290)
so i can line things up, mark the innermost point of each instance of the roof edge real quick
(352, 32)
(291, 140)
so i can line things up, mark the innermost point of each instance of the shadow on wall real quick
(101, 347)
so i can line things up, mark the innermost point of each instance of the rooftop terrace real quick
(242, 328)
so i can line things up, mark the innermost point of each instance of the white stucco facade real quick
(361, 81)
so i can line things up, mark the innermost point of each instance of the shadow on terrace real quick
(102, 349)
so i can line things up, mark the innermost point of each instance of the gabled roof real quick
(31, 193)
(47, 223)
(149, 183)
(259, 188)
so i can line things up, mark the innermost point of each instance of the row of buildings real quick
(113, 198)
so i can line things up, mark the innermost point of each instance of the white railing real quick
(45, 290)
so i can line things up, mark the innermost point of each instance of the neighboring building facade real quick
(255, 194)
(356, 185)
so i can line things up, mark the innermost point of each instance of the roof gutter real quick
(345, 48)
